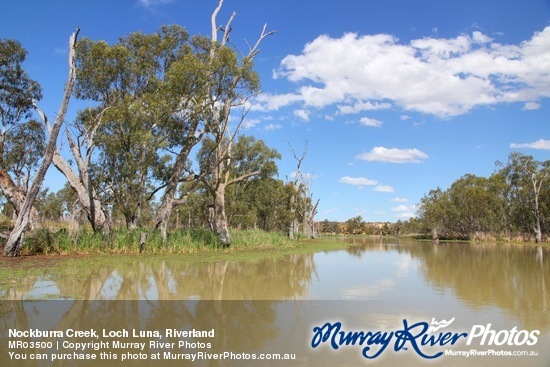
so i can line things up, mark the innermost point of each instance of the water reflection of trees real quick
(240, 326)
(515, 278)
(512, 277)
(173, 279)
(118, 296)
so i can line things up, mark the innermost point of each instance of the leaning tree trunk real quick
(435, 234)
(15, 240)
(163, 214)
(16, 197)
(168, 200)
(97, 216)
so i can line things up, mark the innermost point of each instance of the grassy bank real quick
(124, 241)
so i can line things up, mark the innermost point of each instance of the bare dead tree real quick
(303, 210)
(15, 240)
(295, 223)
(308, 210)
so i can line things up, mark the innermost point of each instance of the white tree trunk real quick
(15, 241)
(220, 219)
(97, 215)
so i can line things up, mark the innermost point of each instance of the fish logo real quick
(439, 325)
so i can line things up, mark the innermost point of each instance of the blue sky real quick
(394, 97)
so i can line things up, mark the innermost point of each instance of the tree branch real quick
(253, 51)
(242, 178)
(213, 21)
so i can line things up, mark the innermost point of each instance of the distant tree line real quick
(512, 204)
(358, 226)
(158, 144)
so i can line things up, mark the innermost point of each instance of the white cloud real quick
(399, 200)
(383, 188)
(405, 216)
(539, 144)
(273, 102)
(359, 106)
(303, 114)
(445, 77)
(304, 175)
(273, 127)
(365, 121)
(404, 211)
(358, 181)
(401, 208)
(393, 155)
(529, 106)
(480, 37)
(250, 123)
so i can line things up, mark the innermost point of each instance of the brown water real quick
(272, 305)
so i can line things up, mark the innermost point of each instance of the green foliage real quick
(355, 225)
(154, 95)
(17, 89)
(21, 143)
(149, 88)
(151, 98)
(329, 227)
(24, 145)
(262, 203)
(502, 205)
(251, 155)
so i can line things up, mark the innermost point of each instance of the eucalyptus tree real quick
(231, 84)
(475, 205)
(355, 225)
(433, 212)
(9, 80)
(260, 203)
(81, 143)
(148, 91)
(513, 200)
(245, 158)
(17, 93)
(23, 146)
(526, 178)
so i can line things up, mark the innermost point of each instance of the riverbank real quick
(81, 262)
